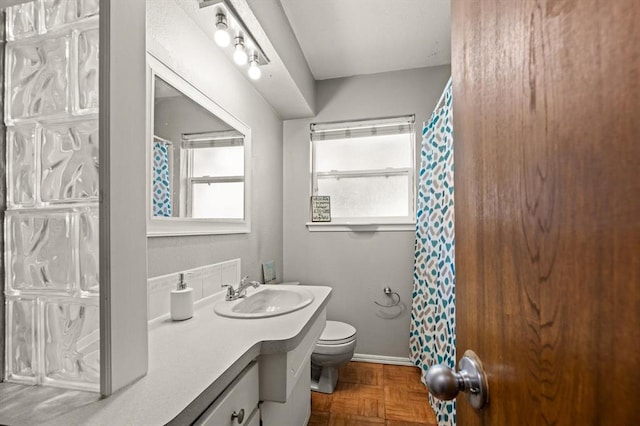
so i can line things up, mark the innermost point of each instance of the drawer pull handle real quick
(238, 416)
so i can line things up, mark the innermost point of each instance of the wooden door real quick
(547, 190)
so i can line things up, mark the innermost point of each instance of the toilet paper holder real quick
(390, 293)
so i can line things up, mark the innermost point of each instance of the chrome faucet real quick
(234, 294)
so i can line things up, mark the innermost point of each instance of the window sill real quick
(169, 227)
(360, 227)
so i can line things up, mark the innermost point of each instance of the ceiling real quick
(341, 38)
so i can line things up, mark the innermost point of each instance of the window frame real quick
(190, 179)
(378, 223)
(209, 180)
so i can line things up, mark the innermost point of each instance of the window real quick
(368, 169)
(215, 174)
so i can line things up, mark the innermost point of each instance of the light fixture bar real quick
(224, 6)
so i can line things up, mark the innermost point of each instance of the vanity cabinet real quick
(285, 381)
(238, 404)
(280, 380)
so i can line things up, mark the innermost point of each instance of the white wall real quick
(357, 265)
(3, 207)
(178, 42)
(123, 290)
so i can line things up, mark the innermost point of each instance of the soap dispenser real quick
(181, 300)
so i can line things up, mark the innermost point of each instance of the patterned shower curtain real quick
(433, 329)
(161, 180)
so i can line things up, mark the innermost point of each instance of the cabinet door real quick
(239, 399)
(297, 410)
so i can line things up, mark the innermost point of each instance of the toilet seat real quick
(337, 333)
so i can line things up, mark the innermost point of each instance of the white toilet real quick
(334, 348)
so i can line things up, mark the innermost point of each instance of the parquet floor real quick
(374, 394)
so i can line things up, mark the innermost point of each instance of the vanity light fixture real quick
(240, 56)
(221, 35)
(245, 46)
(254, 69)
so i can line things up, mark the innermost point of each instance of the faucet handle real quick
(230, 291)
(244, 279)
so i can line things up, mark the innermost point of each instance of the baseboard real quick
(381, 359)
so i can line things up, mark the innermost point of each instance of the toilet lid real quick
(336, 333)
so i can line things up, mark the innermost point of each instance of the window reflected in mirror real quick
(198, 160)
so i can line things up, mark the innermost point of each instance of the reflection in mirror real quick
(198, 160)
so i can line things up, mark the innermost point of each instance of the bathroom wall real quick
(178, 42)
(356, 264)
(3, 185)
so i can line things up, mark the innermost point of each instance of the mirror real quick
(198, 160)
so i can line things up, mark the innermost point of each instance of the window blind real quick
(212, 139)
(362, 128)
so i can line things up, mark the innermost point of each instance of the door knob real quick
(444, 383)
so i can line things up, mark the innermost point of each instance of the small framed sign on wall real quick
(320, 208)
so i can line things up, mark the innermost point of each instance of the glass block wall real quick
(51, 223)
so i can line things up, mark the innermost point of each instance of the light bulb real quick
(221, 36)
(254, 69)
(240, 55)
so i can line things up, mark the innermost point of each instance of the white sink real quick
(267, 301)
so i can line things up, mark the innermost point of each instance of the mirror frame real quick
(173, 226)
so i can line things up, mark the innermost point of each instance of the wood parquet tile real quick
(403, 423)
(318, 418)
(407, 377)
(349, 420)
(320, 402)
(362, 373)
(374, 394)
(359, 400)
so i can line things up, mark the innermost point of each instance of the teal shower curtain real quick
(161, 180)
(432, 338)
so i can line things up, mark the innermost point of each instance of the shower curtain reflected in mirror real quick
(161, 196)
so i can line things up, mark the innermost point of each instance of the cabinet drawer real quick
(242, 394)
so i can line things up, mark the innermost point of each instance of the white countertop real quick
(190, 363)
